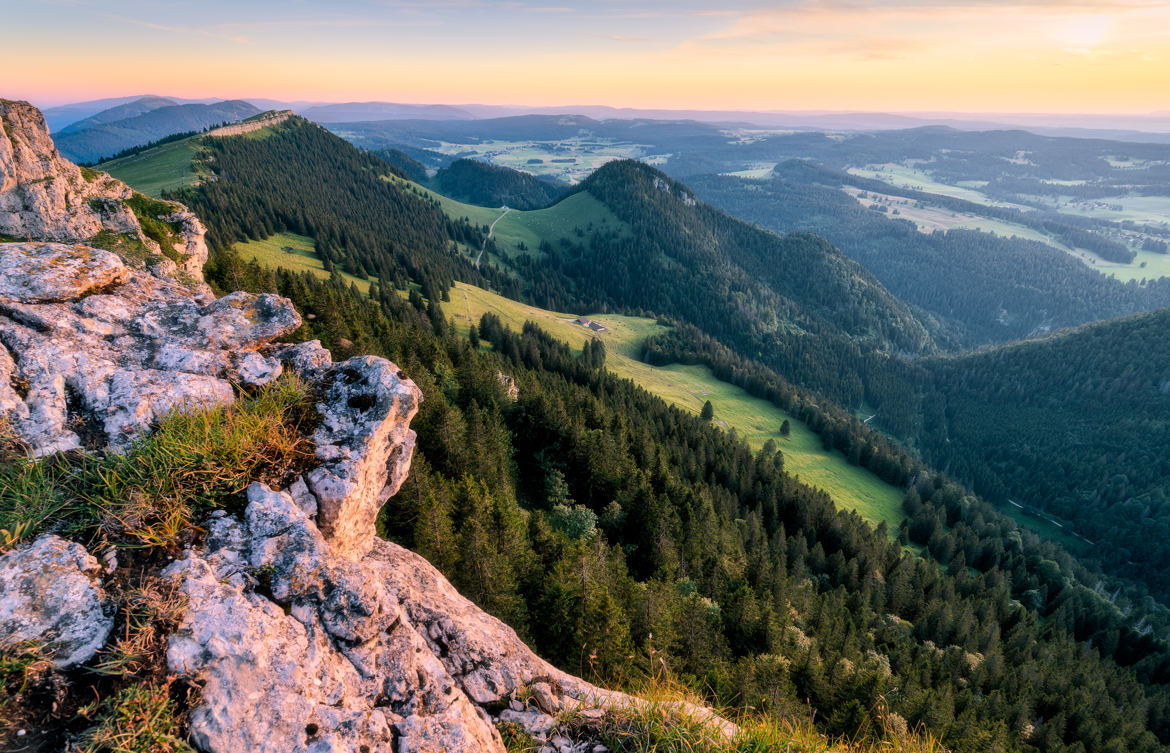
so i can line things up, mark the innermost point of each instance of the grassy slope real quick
(530, 227)
(163, 168)
(292, 251)
(689, 387)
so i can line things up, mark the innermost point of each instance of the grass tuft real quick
(140, 718)
(194, 461)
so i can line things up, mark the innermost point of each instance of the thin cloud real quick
(189, 30)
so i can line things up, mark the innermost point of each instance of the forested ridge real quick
(1077, 425)
(793, 301)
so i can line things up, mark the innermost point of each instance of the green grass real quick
(145, 498)
(162, 168)
(581, 210)
(291, 251)
(1144, 209)
(929, 218)
(140, 718)
(754, 420)
(904, 176)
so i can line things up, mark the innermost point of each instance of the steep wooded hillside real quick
(1075, 426)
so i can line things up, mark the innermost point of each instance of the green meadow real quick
(291, 251)
(754, 420)
(161, 168)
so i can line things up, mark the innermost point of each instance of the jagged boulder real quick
(43, 195)
(52, 272)
(365, 445)
(50, 596)
(94, 351)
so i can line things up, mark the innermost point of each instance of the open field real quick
(929, 218)
(909, 177)
(1152, 210)
(757, 171)
(291, 251)
(688, 387)
(163, 168)
(1144, 209)
(532, 226)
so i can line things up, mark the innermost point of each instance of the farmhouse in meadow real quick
(590, 324)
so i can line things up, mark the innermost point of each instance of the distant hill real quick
(982, 288)
(491, 186)
(63, 115)
(118, 113)
(109, 138)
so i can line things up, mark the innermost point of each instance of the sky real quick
(1089, 56)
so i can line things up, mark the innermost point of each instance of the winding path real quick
(491, 229)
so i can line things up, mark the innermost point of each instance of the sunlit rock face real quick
(44, 196)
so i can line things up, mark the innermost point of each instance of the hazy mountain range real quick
(1154, 126)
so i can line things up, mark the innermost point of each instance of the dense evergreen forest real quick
(981, 288)
(620, 535)
(487, 185)
(1075, 425)
(290, 180)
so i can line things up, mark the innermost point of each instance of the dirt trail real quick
(491, 229)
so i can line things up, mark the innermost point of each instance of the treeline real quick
(838, 429)
(143, 147)
(621, 535)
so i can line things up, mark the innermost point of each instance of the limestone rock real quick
(308, 359)
(108, 349)
(44, 196)
(41, 195)
(49, 272)
(50, 593)
(325, 662)
(364, 441)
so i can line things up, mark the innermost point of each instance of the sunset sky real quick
(892, 55)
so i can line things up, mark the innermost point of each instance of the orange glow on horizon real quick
(819, 56)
